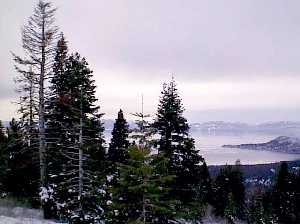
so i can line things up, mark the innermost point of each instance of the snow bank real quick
(10, 220)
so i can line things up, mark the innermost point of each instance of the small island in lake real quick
(281, 144)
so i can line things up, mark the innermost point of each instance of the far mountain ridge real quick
(280, 144)
(288, 128)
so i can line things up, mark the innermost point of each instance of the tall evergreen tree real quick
(22, 175)
(206, 184)
(80, 138)
(142, 135)
(118, 147)
(58, 119)
(260, 209)
(297, 196)
(140, 195)
(179, 147)
(229, 191)
(60, 126)
(28, 104)
(284, 195)
(23, 146)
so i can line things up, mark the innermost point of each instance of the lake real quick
(211, 149)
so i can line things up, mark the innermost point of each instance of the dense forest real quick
(55, 156)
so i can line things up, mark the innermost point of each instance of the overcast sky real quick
(234, 60)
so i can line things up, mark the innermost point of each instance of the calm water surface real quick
(211, 149)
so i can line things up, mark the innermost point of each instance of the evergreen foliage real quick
(206, 184)
(74, 127)
(22, 174)
(231, 209)
(179, 147)
(142, 135)
(58, 145)
(140, 193)
(260, 209)
(297, 196)
(60, 126)
(229, 193)
(283, 198)
(117, 151)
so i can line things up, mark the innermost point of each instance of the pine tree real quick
(229, 181)
(231, 209)
(28, 104)
(80, 138)
(60, 127)
(260, 209)
(58, 119)
(139, 192)
(297, 196)
(284, 195)
(117, 151)
(139, 196)
(142, 135)
(179, 147)
(22, 176)
(206, 184)
(23, 138)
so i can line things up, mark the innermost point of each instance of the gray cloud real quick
(199, 39)
(144, 41)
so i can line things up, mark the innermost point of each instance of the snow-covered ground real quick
(10, 213)
(21, 215)
(19, 220)
(10, 220)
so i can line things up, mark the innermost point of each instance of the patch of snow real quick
(10, 220)
(109, 178)
(46, 194)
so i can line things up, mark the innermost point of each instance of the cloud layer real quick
(226, 55)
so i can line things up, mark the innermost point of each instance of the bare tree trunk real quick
(42, 145)
(31, 105)
(80, 149)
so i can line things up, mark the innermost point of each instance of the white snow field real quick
(19, 220)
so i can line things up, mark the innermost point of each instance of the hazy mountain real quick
(280, 144)
(220, 127)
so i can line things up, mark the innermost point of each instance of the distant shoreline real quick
(282, 144)
(255, 170)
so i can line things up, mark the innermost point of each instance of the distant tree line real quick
(55, 155)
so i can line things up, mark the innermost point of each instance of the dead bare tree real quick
(39, 37)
